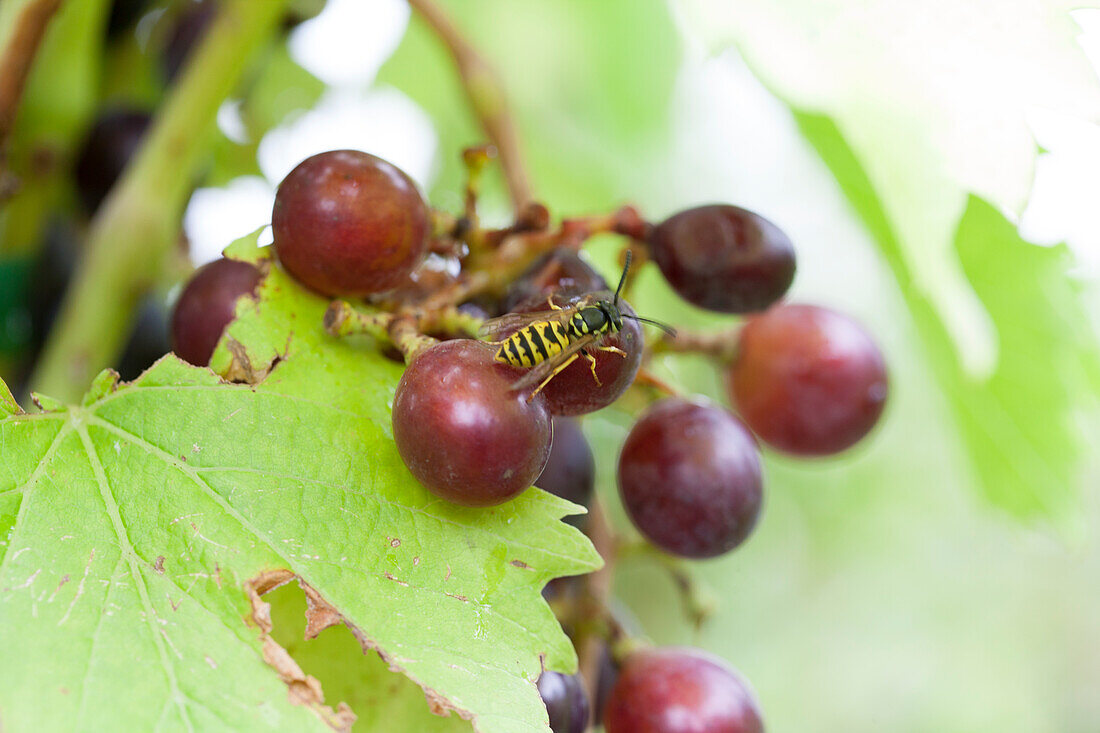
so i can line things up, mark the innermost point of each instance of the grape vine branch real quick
(16, 55)
(138, 224)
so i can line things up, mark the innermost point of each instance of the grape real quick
(124, 13)
(561, 270)
(807, 380)
(573, 391)
(566, 702)
(724, 258)
(349, 224)
(110, 143)
(678, 690)
(189, 28)
(570, 471)
(207, 305)
(462, 430)
(690, 478)
(609, 674)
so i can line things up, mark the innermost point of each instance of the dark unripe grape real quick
(566, 702)
(559, 271)
(690, 478)
(112, 140)
(462, 430)
(207, 305)
(149, 340)
(570, 471)
(675, 690)
(808, 380)
(573, 391)
(123, 14)
(347, 223)
(187, 30)
(609, 675)
(724, 258)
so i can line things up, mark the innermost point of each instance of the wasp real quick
(548, 341)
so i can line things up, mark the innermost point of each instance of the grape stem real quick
(486, 94)
(16, 57)
(719, 345)
(697, 597)
(138, 225)
(601, 627)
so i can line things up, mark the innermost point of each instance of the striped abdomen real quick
(535, 343)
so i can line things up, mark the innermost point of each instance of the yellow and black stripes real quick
(535, 343)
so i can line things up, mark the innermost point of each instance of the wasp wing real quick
(544, 369)
(495, 329)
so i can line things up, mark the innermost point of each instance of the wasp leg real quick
(550, 302)
(592, 364)
(551, 375)
(613, 349)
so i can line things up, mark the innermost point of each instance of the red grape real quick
(570, 472)
(566, 702)
(349, 224)
(724, 258)
(207, 305)
(690, 478)
(461, 428)
(808, 380)
(676, 690)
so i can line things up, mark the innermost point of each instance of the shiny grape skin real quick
(724, 258)
(560, 270)
(566, 702)
(679, 690)
(690, 478)
(462, 430)
(111, 141)
(808, 380)
(573, 391)
(570, 472)
(347, 223)
(207, 305)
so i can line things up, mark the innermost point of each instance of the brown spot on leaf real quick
(456, 596)
(63, 691)
(302, 689)
(520, 564)
(394, 542)
(321, 614)
(390, 576)
(240, 367)
(448, 575)
(159, 564)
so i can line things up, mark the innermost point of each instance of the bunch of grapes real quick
(479, 421)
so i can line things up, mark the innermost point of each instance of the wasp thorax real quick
(595, 319)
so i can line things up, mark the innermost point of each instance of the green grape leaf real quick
(920, 111)
(139, 530)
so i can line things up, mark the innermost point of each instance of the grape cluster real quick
(475, 429)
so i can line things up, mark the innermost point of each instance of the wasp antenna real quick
(666, 328)
(622, 280)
